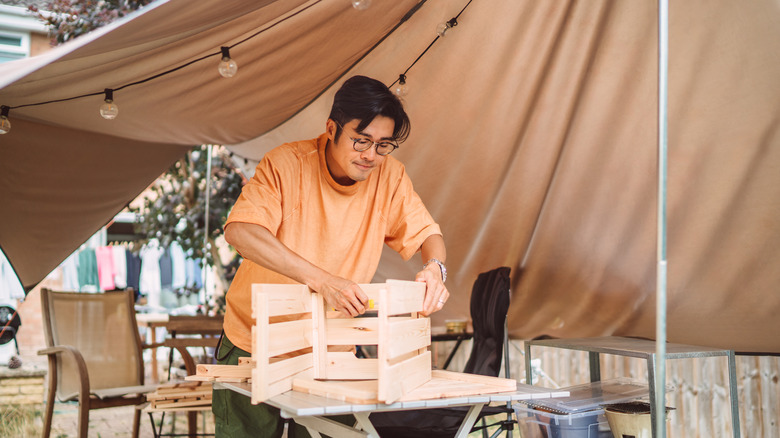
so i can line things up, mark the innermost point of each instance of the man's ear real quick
(330, 129)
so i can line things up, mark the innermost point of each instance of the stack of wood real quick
(223, 373)
(180, 396)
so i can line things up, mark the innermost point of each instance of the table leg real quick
(155, 376)
(329, 427)
(365, 423)
(651, 386)
(469, 421)
(733, 395)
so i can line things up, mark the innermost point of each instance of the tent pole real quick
(206, 248)
(660, 322)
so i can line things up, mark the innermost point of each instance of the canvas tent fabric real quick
(533, 143)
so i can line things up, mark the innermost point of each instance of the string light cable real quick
(399, 86)
(5, 123)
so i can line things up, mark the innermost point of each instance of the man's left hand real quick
(436, 294)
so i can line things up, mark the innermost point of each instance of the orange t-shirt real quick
(339, 228)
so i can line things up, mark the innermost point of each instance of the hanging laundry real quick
(149, 282)
(120, 266)
(179, 268)
(105, 267)
(88, 271)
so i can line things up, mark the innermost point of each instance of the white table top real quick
(299, 404)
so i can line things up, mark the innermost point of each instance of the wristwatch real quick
(441, 266)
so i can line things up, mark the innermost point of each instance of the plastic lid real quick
(592, 396)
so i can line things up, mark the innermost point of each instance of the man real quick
(318, 212)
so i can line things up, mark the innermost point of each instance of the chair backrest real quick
(489, 306)
(102, 326)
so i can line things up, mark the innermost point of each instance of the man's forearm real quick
(259, 245)
(256, 243)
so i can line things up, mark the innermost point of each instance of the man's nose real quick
(369, 154)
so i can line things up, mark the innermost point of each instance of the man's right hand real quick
(343, 295)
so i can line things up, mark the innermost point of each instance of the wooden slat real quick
(224, 370)
(363, 391)
(406, 297)
(289, 336)
(505, 384)
(289, 367)
(285, 299)
(401, 378)
(319, 335)
(343, 365)
(353, 331)
(407, 335)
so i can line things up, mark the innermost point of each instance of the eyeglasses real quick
(360, 144)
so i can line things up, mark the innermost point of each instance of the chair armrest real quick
(78, 358)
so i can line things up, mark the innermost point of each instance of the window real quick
(13, 45)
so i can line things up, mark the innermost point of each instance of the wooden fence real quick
(700, 387)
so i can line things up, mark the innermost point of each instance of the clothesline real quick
(156, 273)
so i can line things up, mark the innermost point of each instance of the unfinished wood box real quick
(293, 332)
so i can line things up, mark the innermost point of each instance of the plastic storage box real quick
(581, 414)
(536, 423)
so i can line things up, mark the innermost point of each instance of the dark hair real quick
(364, 98)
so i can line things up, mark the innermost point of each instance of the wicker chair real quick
(94, 353)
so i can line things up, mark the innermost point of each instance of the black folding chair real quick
(489, 306)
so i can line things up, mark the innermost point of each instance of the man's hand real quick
(436, 294)
(344, 296)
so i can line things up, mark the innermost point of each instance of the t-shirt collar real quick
(322, 143)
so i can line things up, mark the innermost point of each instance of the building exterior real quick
(21, 34)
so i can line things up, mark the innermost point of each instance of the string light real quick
(109, 110)
(361, 5)
(5, 124)
(227, 67)
(443, 28)
(401, 89)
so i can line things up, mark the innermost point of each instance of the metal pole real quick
(206, 248)
(660, 320)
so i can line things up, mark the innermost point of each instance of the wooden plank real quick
(223, 370)
(289, 336)
(177, 404)
(344, 365)
(285, 299)
(353, 331)
(289, 367)
(359, 391)
(260, 356)
(405, 297)
(171, 385)
(245, 361)
(407, 335)
(507, 384)
(172, 395)
(319, 335)
(196, 378)
(403, 377)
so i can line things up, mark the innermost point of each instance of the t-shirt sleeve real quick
(409, 222)
(260, 201)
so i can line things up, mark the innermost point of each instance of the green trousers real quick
(236, 417)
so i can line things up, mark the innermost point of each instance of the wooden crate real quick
(294, 330)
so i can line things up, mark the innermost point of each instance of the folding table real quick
(310, 410)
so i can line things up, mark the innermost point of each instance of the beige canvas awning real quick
(533, 143)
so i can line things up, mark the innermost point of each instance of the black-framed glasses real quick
(361, 144)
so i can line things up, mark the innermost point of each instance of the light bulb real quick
(5, 124)
(109, 110)
(443, 28)
(401, 89)
(227, 67)
(361, 5)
